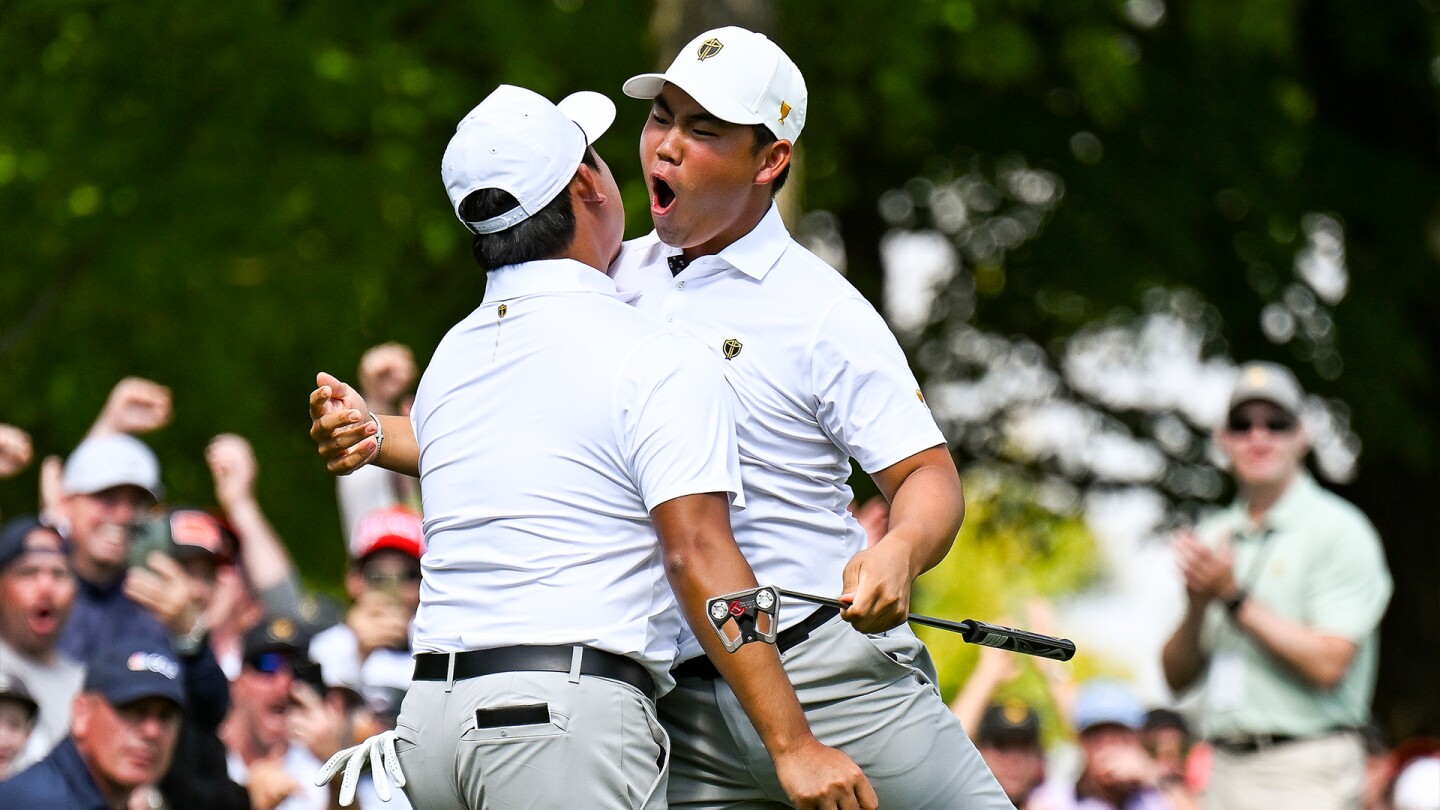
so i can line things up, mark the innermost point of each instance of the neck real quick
(747, 221)
(94, 572)
(117, 796)
(1261, 498)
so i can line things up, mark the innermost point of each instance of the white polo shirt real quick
(550, 422)
(820, 379)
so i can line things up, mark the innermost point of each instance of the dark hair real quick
(763, 138)
(543, 235)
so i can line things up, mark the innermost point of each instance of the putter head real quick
(752, 615)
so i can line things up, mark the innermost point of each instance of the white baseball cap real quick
(738, 76)
(109, 461)
(516, 140)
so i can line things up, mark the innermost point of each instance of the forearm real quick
(969, 705)
(702, 562)
(267, 563)
(401, 452)
(1320, 659)
(1182, 659)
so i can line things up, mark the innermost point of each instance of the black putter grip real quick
(1021, 641)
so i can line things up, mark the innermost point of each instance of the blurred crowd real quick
(169, 655)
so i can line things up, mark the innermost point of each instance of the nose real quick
(670, 147)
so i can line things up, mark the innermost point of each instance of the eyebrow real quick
(701, 118)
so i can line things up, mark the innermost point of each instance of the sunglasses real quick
(390, 579)
(1240, 425)
(271, 662)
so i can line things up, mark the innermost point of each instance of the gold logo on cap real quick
(708, 48)
(1256, 377)
(784, 111)
(920, 396)
(282, 629)
(730, 348)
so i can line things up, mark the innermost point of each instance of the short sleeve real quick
(1351, 586)
(678, 423)
(868, 401)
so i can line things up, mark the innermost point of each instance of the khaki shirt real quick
(1316, 560)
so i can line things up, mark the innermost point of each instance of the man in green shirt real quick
(1286, 589)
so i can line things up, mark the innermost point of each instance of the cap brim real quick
(592, 111)
(649, 85)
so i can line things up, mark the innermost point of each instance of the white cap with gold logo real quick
(738, 76)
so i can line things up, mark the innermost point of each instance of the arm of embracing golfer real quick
(927, 506)
(348, 438)
(702, 561)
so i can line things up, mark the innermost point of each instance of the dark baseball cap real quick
(129, 671)
(281, 634)
(194, 531)
(12, 688)
(17, 538)
(1009, 722)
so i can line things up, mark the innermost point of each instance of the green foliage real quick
(1011, 550)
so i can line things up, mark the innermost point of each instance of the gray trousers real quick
(872, 697)
(462, 749)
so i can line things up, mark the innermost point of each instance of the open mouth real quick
(662, 195)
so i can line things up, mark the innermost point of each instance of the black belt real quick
(1251, 743)
(701, 667)
(475, 663)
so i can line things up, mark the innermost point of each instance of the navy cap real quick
(281, 634)
(12, 688)
(131, 670)
(16, 540)
(1011, 721)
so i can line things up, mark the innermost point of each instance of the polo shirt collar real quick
(757, 251)
(546, 276)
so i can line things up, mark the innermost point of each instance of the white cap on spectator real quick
(517, 141)
(738, 76)
(109, 461)
(1418, 786)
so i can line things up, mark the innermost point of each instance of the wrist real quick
(1235, 601)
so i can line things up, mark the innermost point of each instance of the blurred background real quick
(1078, 217)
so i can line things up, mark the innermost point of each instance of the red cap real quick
(394, 527)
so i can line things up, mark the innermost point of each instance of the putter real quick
(744, 609)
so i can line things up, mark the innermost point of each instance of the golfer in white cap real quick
(551, 427)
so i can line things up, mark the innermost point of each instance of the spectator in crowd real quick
(1286, 590)
(195, 541)
(372, 645)
(281, 729)
(1116, 772)
(1009, 741)
(17, 720)
(122, 734)
(386, 380)
(37, 590)
(1166, 736)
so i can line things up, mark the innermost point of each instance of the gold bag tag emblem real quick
(708, 48)
(730, 348)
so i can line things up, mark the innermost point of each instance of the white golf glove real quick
(379, 753)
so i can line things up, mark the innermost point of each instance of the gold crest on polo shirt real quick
(730, 348)
(708, 48)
